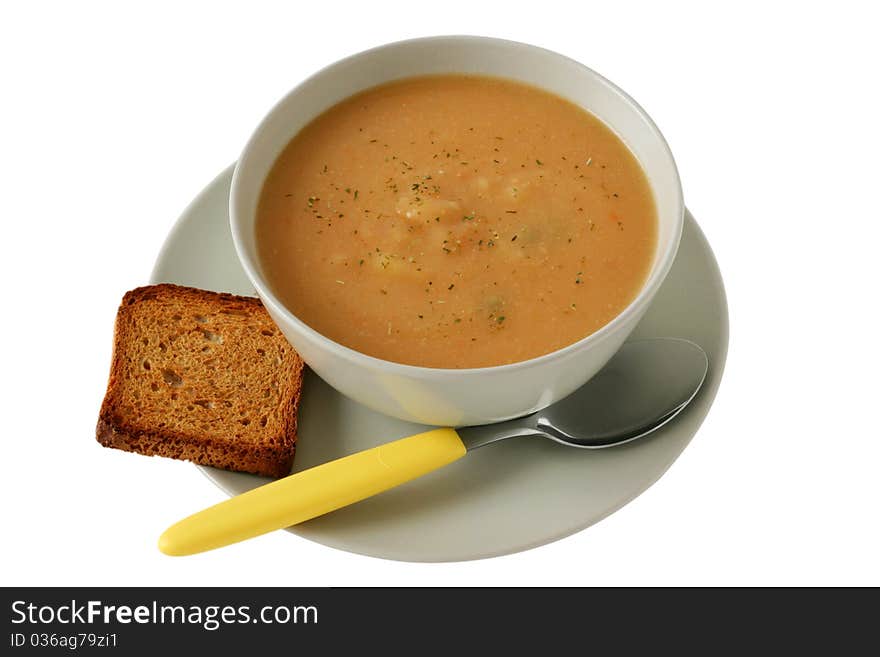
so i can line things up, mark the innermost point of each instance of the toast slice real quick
(202, 376)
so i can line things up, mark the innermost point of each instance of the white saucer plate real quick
(504, 498)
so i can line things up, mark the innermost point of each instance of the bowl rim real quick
(635, 306)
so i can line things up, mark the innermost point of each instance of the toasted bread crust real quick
(218, 384)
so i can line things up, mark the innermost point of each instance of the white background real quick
(112, 119)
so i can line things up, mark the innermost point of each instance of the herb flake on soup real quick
(456, 221)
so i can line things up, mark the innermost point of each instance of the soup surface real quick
(455, 221)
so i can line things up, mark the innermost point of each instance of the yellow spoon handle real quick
(312, 492)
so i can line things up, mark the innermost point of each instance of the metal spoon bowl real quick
(646, 384)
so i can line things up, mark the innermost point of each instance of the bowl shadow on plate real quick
(447, 488)
(326, 415)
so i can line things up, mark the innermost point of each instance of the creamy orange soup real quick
(456, 221)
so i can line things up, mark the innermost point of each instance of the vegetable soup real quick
(456, 221)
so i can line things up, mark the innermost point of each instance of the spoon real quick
(645, 385)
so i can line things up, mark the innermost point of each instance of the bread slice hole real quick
(268, 332)
(201, 319)
(172, 378)
(147, 365)
(212, 337)
(204, 403)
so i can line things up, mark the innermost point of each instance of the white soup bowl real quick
(456, 397)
